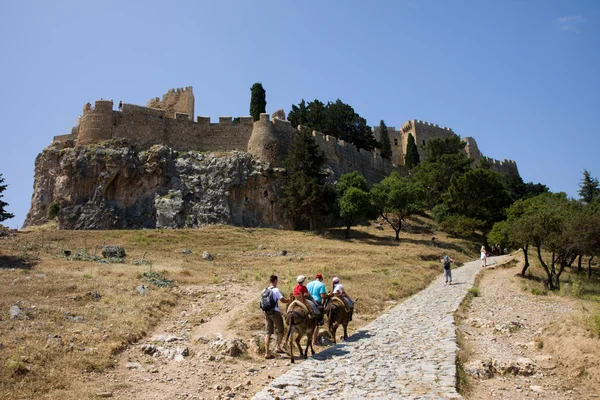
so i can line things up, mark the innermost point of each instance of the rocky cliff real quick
(114, 186)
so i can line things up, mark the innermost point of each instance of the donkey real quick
(337, 314)
(298, 321)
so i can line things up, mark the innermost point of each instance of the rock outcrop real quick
(114, 186)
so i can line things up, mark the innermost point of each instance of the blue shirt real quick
(316, 288)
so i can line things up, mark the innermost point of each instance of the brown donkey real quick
(337, 314)
(298, 321)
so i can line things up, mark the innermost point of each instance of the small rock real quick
(149, 349)
(379, 226)
(95, 296)
(186, 251)
(283, 253)
(135, 365)
(207, 256)
(16, 312)
(142, 289)
(104, 395)
(229, 347)
(261, 247)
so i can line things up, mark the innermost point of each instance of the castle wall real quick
(272, 140)
(140, 125)
(175, 101)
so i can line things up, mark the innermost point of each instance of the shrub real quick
(539, 292)
(53, 210)
(474, 291)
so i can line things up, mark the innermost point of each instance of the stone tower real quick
(175, 101)
(264, 143)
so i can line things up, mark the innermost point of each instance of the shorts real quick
(273, 321)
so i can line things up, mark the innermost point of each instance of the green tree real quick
(518, 189)
(258, 100)
(411, 159)
(547, 223)
(386, 147)
(460, 225)
(306, 196)
(335, 119)
(354, 199)
(589, 188)
(444, 159)
(396, 198)
(4, 215)
(478, 194)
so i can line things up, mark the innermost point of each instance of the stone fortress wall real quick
(424, 131)
(165, 123)
(272, 138)
(170, 121)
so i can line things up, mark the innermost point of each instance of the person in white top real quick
(273, 318)
(338, 288)
(483, 257)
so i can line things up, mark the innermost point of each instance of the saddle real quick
(300, 305)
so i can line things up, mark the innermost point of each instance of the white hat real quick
(336, 279)
(300, 278)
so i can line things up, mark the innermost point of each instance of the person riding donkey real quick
(338, 289)
(302, 295)
(317, 291)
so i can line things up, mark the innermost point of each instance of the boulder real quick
(229, 347)
(207, 256)
(113, 252)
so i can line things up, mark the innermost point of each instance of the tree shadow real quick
(362, 236)
(434, 243)
(11, 262)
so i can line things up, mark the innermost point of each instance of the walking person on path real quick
(273, 320)
(483, 257)
(447, 270)
(317, 288)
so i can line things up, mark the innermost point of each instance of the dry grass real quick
(49, 288)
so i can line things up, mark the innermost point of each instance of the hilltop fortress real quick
(170, 121)
(159, 167)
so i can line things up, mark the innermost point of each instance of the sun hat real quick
(300, 278)
(319, 276)
(336, 279)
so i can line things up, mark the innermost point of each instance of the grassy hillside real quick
(78, 315)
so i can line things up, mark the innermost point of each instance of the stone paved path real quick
(408, 353)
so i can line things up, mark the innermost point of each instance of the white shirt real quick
(276, 293)
(338, 288)
(483, 255)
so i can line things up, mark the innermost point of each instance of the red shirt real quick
(300, 289)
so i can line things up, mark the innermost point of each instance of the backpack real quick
(267, 302)
(447, 264)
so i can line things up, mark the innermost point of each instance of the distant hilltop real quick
(170, 121)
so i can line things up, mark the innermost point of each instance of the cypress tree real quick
(258, 100)
(411, 159)
(386, 147)
(3, 214)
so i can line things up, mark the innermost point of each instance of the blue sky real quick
(519, 76)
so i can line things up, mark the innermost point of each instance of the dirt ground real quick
(507, 323)
(84, 323)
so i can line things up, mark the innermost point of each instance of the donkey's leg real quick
(345, 325)
(300, 334)
(291, 346)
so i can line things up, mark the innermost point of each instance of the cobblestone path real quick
(408, 353)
